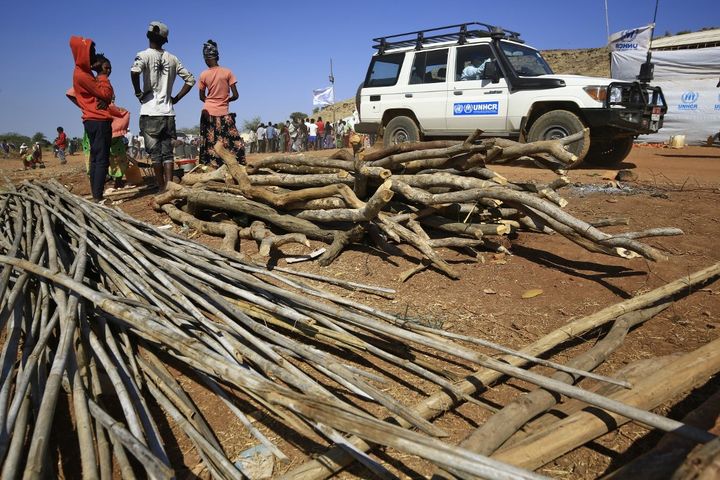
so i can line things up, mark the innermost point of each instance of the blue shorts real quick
(312, 138)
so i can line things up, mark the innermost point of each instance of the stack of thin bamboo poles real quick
(106, 308)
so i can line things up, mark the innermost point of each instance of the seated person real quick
(475, 70)
(34, 159)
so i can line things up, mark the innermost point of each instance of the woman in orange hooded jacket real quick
(93, 95)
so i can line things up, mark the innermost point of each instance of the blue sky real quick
(280, 51)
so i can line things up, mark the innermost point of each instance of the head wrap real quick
(210, 50)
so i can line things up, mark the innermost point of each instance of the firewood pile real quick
(427, 194)
(104, 318)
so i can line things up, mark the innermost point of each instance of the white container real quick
(677, 141)
(186, 164)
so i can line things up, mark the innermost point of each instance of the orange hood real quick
(80, 48)
(89, 90)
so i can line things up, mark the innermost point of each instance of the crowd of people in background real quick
(298, 135)
(6, 147)
(293, 136)
(61, 146)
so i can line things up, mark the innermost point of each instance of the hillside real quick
(593, 62)
(343, 109)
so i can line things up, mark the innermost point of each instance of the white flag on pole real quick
(631, 40)
(323, 96)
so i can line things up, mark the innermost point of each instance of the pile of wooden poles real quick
(426, 194)
(113, 312)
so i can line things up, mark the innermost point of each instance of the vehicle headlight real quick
(597, 93)
(615, 95)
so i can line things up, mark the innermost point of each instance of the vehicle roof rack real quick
(460, 33)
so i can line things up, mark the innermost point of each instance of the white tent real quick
(701, 39)
(689, 79)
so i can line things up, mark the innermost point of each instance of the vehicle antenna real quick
(332, 84)
(647, 68)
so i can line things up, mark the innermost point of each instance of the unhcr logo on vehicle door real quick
(476, 108)
(717, 105)
(689, 101)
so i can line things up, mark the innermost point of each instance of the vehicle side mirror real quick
(491, 72)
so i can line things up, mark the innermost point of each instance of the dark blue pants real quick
(99, 133)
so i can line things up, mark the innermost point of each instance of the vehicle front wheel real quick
(557, 124)
(609, 153)
(400, 130)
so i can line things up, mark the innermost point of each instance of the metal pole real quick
(332, 84)
(607, 21)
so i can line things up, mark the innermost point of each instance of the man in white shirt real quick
(312, 134)
(252, 141)
(141, 146)
(306, 124)
(475, 70)
(339, 134)
(261, 136)
(293, 133)
(159, 68)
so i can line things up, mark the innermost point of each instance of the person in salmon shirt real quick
(216, 122)
(93, 94)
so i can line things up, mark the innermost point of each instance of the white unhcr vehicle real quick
(450, 81)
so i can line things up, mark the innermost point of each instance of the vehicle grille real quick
(635, 95)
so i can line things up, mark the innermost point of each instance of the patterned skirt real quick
(220, 129)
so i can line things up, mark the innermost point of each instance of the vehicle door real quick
(473, 101)
(425, 92)
(381, 90)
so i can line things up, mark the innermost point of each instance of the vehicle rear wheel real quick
(400, 130)
(608, 153)
(557, 124)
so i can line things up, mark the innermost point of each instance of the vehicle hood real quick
(581, 80)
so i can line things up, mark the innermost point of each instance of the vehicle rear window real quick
(384, 70)
(429, 67)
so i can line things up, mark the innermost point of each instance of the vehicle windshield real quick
(527, 62)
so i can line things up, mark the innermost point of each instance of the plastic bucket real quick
(677, 141)
(186, 164)
(133, 175)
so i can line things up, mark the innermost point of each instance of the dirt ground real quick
(674, 188)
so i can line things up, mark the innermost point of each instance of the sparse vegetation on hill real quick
(593, 62)
(15, 138)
